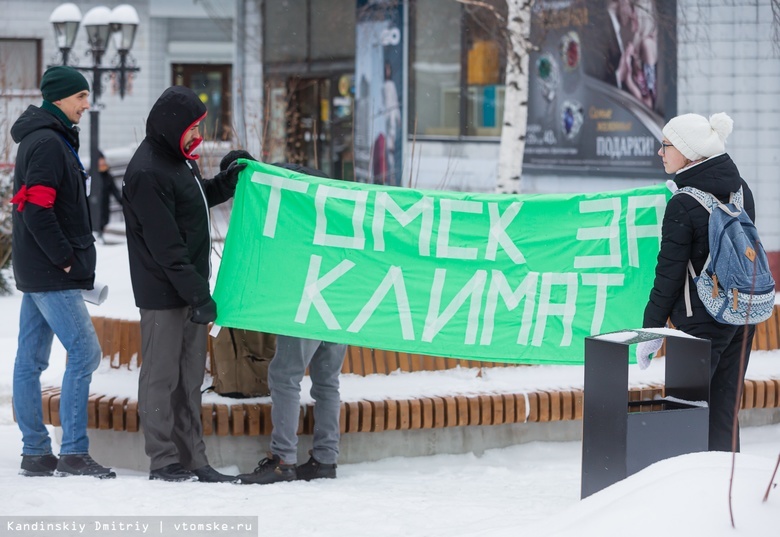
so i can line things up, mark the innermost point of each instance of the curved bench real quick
(121, 344)
(109, 412)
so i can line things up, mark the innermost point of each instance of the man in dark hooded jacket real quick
(54, 260)
(166, 208)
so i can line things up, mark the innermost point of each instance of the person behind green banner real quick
(693, 148)
(166, 207)
(285, 373)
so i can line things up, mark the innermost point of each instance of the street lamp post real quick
(100, 24)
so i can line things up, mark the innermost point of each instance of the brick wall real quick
(728, 63)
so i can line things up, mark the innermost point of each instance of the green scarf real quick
(54, 109)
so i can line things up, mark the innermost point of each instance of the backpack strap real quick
(688, 308)
(710, 202)
(707, 200)
(736, 198)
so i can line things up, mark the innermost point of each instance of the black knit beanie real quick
(61, 81)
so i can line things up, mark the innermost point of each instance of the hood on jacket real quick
(35, 118)
(717, 175)
(174, 113)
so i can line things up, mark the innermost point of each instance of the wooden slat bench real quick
(121, 343)
(253, 419)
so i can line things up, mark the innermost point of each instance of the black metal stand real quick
(620, 438)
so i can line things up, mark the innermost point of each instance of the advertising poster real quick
(378, 83)
(602, 84)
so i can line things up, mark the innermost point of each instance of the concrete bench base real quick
(120, 449)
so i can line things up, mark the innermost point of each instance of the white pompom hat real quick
(696, 137)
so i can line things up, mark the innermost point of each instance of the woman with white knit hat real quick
(693, 148)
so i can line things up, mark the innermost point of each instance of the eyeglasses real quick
(664, 145)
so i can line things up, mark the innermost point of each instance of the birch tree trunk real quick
(513, 131)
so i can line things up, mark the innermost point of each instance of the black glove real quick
(231, 174)
(205, 313)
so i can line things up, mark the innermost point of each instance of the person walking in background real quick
(693, 148)
(166, 207)
(285, 373)
(108, 189)
(54, 260)
(392, 111)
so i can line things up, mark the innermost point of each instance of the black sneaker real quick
(313, 469)
(38, 465)
(82, 464)
(270, 470)
(174, 472)
(207, 474)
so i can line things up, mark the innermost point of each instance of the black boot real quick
(174, 472)
(270, 470)
(38, 465)
(313, 469)
(82, 464)
(207, 474)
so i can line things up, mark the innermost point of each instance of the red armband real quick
(43, 196)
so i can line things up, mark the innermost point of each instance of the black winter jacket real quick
(166, 208)
(685, 237)
(47, 240)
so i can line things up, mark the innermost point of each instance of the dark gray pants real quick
(174, 360)
(324, 360)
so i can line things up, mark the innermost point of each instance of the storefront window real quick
(332, 29)
(457, 77)
(211, 82)
(20, 64)
(308, 30)
(285, 31)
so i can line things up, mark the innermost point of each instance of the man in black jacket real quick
(166, 207)
(693, 149)
(54, 260)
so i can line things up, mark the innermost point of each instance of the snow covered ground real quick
(530, 489)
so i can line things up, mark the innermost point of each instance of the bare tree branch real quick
(772, 480)
(500, 18)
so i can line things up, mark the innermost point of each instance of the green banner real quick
(495, 277)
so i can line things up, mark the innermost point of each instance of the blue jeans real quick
(41, 317)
